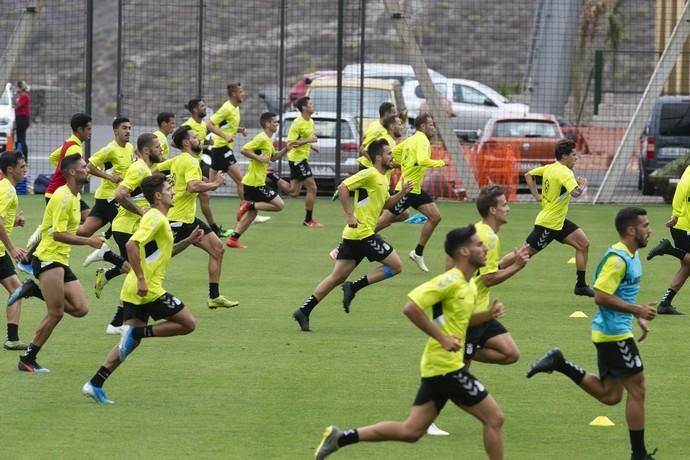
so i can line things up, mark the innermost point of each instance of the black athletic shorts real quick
(542, 236)
(477, 336)
(262, 194)
(163, 307)
(460, 386)
(411, 200)
(372, 247)
(106, 210)
(40, 266)
(618, 359)
(121, 239)
(182, 230)
(222, 158)
(681, 239)
(82, 204)
(300, 171)
(6, 266)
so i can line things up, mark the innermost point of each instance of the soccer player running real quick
(620, 365)
(13, 167)
(558, 185)
(441, 308)
(371, 196)
(376, 130)
(258, 197)
(60, 288)
(187, 183)
(149, 252)
(166, 126)
(302, 141)
(414, 157)
(679, 224)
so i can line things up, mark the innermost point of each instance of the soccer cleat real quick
(329, 442)
(30, 365)
(665, 308)
(127, 342)
(235, 244)
(333, 254)
(15, 345)
(419, 260)
(647, 456)
(223, 233)
(113, 330)
(95, 393)
(312, 224)
(22, 292)
(348, 295)
(663, 247)
(96, 255)
(244, 207)
(433, 430)
(547, 363)
(101, 281)
(26, 268)
(584, 291)
(302, 320)
(259, 219)
(222, 302)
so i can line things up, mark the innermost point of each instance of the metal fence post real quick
(339, 89)
(200, 53)
(598, 70)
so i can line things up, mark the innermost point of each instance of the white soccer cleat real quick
(419, 260)
(433, 430)
(259, 219)
(113, 330)
(96, 255)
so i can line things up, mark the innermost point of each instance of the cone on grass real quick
(602, 420)
(578, 314)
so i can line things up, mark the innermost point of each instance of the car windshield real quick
(675, 120)
(324, 100)
(525, 128)
(324, 128)
(493, 94)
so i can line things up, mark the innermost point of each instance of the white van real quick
(6, 115)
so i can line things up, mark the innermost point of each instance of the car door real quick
(473, 108)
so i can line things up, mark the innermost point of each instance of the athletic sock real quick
(308, 216)
(235, 236)
(114, 259)
(678, 253)
(668, 296)
(213, 290)
(572, 371)
(360, 283)
(142, 332)
(31, 352)
(214, 227)
(637, 443)
(112, 272)
(348, 437)
(419, 250)
(309, 305)
(12, 332)
(117, 317)
(581, 278)
(100, 377)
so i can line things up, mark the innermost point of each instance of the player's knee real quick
(435, 218)
(56, 314)
(412, 434)
(637, 392)
(278, 205)
(390, 270)
(511, 356)
(611, 399)
(189, 326)
(496, 420)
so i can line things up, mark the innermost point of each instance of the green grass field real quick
(248, 385)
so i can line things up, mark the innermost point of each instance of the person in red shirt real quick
(22, 116)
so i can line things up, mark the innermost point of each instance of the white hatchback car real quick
(6, 115)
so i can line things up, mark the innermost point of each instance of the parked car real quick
(400, 72)
(6, 115)
(665, 137)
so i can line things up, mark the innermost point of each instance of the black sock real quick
(112, 272)
(572, 371)
(637, 443)
(419, 250)
(668, 296)
(309, 305)
(100, 377)
(117, 317)
(31, 352)
(214, 227)
(142, 332)
(360, 283)
(114, 259)
(349, 437)
(581, 278)
(678, 253)
(235, 236)
(213, 290)
(12, 332)
(308, 215)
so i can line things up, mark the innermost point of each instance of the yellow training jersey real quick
(371, 194)
(680, 206)
(184, 170)
(8, 208)
(557, 182)
(374, 132)
(415, 157)
(73, 149)
(165, 145)
(449, 299)
(62, 214)
(300, 129)
(493, 256)
(226, 118)
(155, 240)
(113, 159)
(365, 161)
(126, 221)
(256, 172)
(199, 129)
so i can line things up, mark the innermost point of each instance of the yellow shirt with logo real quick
(557, 182)
(226, 118)
(415, 157)
(493, 256)
(165, 144)
(199, 129)
(184, 170)
(256, 172)
(73, 149)
(126, 221)
(62, 214)
(371, 194)
(113, 159)
(300, 129)
(680, 206)
(8, 208)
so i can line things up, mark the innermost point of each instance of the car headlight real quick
(4, 121)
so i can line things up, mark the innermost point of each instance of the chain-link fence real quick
(583, 65)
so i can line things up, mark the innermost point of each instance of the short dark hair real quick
(376, 149)
(152, 184)
(191, 105)
(488, 198)
(69, 162)
(301, 102)
(164, 117)
(79, 120)
(10, 160)
(119, 120)
(232, 87)
(389, 121)
(385, 107)
(627, 217)
(564, 147)
(266, 117)
(180, 134)
(145, 140)
(458, 237)
(421, 119)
